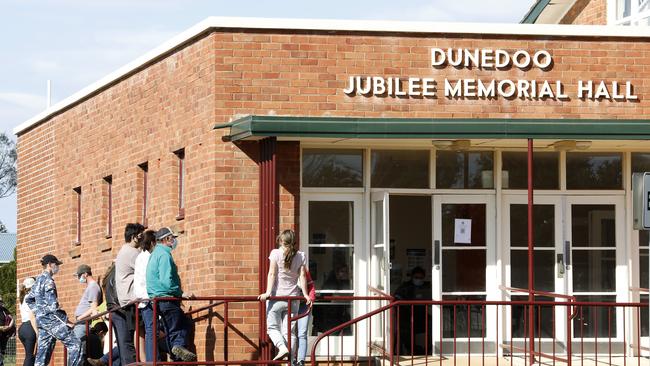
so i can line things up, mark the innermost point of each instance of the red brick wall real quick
(174, 103)
(587, 12)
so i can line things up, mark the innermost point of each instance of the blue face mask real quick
(174, 243)
(82, 279)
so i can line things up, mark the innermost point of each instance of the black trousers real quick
(28, 337)
(124, 323)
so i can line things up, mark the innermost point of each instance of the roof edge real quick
(332, 25)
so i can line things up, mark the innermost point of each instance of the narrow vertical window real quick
(145, 190)
(180, 154)
(109, 205)
(78, 215)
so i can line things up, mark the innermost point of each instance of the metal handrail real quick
(571, 298)
(381, 293)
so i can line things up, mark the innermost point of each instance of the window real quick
(332, 168)
(400, 169)
(180, 154)
(464, 169)
(144, 171)
(108, 183)
(546, 170)
(631, 12)
(594, 170)
(77, 193)
(640, 164)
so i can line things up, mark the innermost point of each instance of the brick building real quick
(319, 125)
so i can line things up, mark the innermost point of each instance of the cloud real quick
(24, 100)
(44, 65)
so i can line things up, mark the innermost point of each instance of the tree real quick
(8, 284)
(8, 158)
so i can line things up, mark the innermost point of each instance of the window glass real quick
(594, 170)
(331, 268)
(463, 270)
(332, 168)
(544, 222)
(452, 213)
(329, 314)
(643, 265)
(644, 317)
(546, 170)
(330, 222)
(544, 269)
(459, 315)
(593, 225)
(594, 270)
(544, 319)
(464, 169)
(592, 321)
(400, 169)
(640, 163)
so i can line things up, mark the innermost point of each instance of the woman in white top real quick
(140, 290)
(27, 331)
(286, 277)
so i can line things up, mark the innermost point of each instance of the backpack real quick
(110, 291)
(6, 320)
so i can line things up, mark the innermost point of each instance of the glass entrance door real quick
(595, 235)
(464, 233)
(549, 267)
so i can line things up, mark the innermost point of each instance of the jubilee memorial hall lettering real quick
(471, 88)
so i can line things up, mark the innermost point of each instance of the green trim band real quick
(252, 127)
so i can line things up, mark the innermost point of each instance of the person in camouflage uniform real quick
(52, 321)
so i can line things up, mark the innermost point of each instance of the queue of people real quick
(143, 269)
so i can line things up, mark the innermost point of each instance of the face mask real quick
(82, 279)
(174, 243)
(55, 268)
(418, 281)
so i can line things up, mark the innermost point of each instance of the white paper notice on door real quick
(463, 231)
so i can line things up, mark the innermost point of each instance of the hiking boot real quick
(183, 353)
(95, 362)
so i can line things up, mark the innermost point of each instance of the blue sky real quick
(76, 42)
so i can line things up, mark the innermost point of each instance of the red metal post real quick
(110, 339)
(154, 303)
(225, 331)
(531, 279)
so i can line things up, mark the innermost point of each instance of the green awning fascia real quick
(255, 127)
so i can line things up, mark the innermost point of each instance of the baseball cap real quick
(28, 282)
(49, 258)
(165, 232)
(84, 268)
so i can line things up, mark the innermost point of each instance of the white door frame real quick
(491, 286)
(360, 274)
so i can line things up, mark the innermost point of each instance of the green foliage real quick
(8, 157)
(8, 284)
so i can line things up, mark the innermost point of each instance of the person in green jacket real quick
(163, 281)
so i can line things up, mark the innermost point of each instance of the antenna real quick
(48, 101)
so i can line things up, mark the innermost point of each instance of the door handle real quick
(436, 254)
(567, 254)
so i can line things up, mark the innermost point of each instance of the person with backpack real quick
(7, 330)
(286, 277)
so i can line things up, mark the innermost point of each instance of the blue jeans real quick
(175, 322)
(303, 327)
(147, 319)
(116, 357)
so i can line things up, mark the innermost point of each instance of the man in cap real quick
(90, 300)
(163, 281)
(51, 319)
(7, 329)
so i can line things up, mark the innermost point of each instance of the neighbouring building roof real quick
(324, 25)
(547, 11)
(7, 247)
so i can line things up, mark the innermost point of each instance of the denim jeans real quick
(79, 330)
(303, 328)
(116, 357)
(276, 321)
(124, 323)
(175, 322)
(147, 318)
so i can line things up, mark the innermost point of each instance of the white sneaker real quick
(282, 353)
